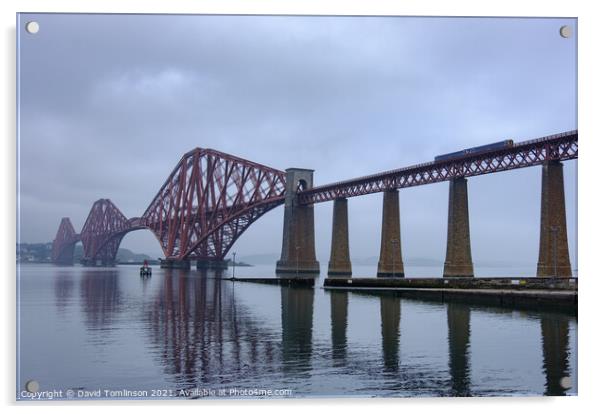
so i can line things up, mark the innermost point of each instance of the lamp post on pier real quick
(233, 264)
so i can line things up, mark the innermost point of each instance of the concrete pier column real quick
(553, 246)
(208, 264)
(339, 264)
(298, 240)
(390, 263)
(174, 264)
(458, 259)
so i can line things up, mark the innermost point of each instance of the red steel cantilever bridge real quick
(208, 201)
(210, 198)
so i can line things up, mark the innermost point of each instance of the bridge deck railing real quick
(561, 147)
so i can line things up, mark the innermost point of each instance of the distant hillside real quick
(123, 255)
(260, 259)
(271, 258)
(42, 252)
(34, 252)
(411, 261)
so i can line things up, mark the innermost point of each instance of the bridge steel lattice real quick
(210, 198)
(64, 242)
(208, 201)
(558, 147)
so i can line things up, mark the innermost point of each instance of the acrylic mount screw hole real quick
(32, 27)
(565, 31)
(32, 386)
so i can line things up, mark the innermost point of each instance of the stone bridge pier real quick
(390, 263)
(340, 263)
(298, 240)
(554, 258)
(458, 258)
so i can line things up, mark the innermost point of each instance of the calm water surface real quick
(97, 329)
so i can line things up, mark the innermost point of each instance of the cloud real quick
(109, 103)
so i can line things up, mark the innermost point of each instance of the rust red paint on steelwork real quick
(65, 239)
(524, 154)
(102, 233)
(210, 198)
(208, 201)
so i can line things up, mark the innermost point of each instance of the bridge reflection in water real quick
(390, 314)
(297, 323)
(339, 302)
(458, 322)
(555, 342)
(204, 332)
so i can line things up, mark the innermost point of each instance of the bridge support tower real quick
(66, 256)
(390, 263)
(554, 258)
(298, 239)
(339, 264)
(458, 259)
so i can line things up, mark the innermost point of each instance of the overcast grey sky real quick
(109, 103)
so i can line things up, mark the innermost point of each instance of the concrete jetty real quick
(501, 291)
